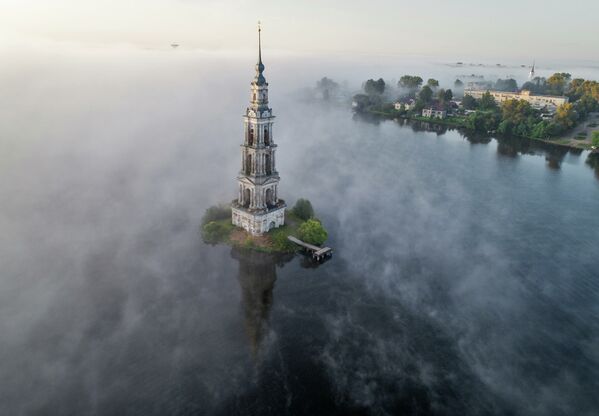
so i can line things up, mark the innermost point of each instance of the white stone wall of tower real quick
(257, 207)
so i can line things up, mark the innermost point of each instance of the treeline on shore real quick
(511, 117)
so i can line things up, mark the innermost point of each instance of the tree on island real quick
(214, 232)
(372, 87)
(216, 212)
(303, 209)
(327, 87)
(312, 232)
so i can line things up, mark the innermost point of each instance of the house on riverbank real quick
(434, 112)
(407, 103)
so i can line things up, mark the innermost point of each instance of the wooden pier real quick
(317, 253)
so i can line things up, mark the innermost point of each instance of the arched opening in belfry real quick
(266, 137)
(251, 137)
(246, 197)
(267, 166)
(270, 197)
(248, 165)
(272, 225)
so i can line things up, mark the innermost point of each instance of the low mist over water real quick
(465, 276)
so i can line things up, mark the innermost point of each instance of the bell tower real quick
(258, 207)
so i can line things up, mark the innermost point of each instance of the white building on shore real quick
(537, 101)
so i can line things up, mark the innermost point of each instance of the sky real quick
(460, 29)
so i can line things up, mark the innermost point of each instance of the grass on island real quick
(218, 229)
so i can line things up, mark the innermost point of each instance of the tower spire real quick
(259, 43)
(259, 79)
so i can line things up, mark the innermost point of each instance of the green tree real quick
(595, 139)
(469, 102)
(418, 106)
(575, 89)
(482, 122)
(372, 87)
(441, 95)
(506, 85)
(433, 83)
(312, 232)
(448, 95)
(426, 94)
(585, 96)
(557, 82)
(216, 212)
(542, 130)
(537, 86)
(214, 232)
(487, 102)
(585, 105)
(518, 118)
(516, 111)
(327, 87)
(362, 102)
(410, 82)
(303, 209)
(565, 116)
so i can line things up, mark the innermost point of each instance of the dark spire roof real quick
(259, 79)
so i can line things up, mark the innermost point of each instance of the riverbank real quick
(578, 138)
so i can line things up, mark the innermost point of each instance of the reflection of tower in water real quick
(257, 276)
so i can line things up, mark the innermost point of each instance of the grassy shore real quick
(574, 140)
(275, 241)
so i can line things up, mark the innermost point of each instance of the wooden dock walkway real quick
(318, 253)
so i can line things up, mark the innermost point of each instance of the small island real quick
(300, 222)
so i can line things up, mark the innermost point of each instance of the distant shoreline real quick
(458, 124)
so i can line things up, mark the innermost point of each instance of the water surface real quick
(464, 279)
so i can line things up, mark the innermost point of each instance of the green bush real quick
(595, 139)
(303, 209)
(216, 212)
(312, 232)
(214, 232)
(280, 241)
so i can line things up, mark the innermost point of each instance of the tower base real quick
(258, 222)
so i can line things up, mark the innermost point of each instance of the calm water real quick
(465, 279)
